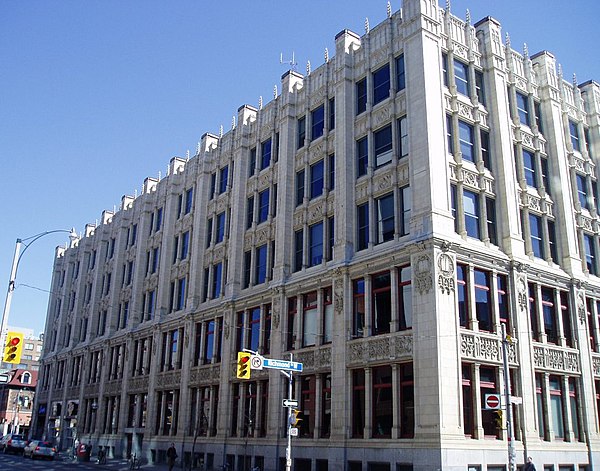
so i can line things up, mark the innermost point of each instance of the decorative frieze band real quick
(485, 347)
(556, 358)
(596, 364)
(381, 348)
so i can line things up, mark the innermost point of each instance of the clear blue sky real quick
(97, 95)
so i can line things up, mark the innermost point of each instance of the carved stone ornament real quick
(581, 310)
(339, 298)
(423, 271)
(226, 330)
(522, 297)
(445, 264)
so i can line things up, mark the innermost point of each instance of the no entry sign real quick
(492, 401)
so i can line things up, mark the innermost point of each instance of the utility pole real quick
(288, 451)
(507, 400)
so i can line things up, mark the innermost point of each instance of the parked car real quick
(13, 443)
(39, 449)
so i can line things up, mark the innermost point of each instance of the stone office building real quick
(381, 219)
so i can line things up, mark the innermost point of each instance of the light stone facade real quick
(278, 236)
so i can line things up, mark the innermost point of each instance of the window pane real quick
(385, 218)
(316, 244)
(318, 122)
(383, 146)
(471, 210)
(381, 84)
(317, 179)
(461, 77)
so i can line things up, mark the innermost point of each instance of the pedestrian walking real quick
(171, 456)
(529, 466)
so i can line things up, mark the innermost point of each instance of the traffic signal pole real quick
(507, 401)
(288, 451)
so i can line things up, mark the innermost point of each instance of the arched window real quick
(26, 378)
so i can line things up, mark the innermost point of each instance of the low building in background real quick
(382, 219)
(16, 401)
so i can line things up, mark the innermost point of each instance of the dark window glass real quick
(523, 108)
(363, 226)
(189, 199)
(315, 233)
(252, 163)
(471, 210)
(381, 84)
(535, 226)
(220, 227)
(223, 177)
(383, 146)
(261, 264)
(317, 179)
(382, 303)
(318, 122)
(263, 206)
(465, 135)
(331, 113)
(400, 74)
(479, 87)
(299, 250)
(485, 149)
(385, 218)
(301, 131)
(265, 154)
(249, 212)
(529, 168)
(299, 187)
(361, 96)
(362, 156)
(461, 77)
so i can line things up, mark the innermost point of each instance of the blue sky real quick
(97, 95)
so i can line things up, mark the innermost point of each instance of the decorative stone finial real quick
(326, 55)
(134, 195)
(187, 155)
(233, 122)
(574, 81)
(367, 29)
(198, 148)
(307, 67)
(389, 9)
(560, 73)
(274, 91)
(260, 104)
(525, 50)
(159, 175)
(448, 6)
(468, 17)
(507, 40)
(220, 131)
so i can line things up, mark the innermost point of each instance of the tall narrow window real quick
(300, 187)
(557, 406)
(185, 245)
(223, 178)
(318, 122)
(471, 210)
(383, 145)
(483, 300)
(405, 209)
(485, 149)
(582, 191)
(466, 141)
(461, 77)
(382, 303)
(261, 264)
(217, 280)
(381, 84)
(590, 254)
(265, 154)
(400, 73)
(315, 244)
(385, 218)
(301, 131)
(537, 242)
(363, 226)
(358, 311)
(317, 179)
(523, 108)
(263, 206)
(574, 134)
(331, 114)
(403, 136)
(405, 294)
(220, 227)
(361, 96)
(249, 212)
(479, 87)
(309, 319)
(299, 250)
(462, 293)
(189, 200)
(383, 407)
(550, 315)
(529, 168)
(362, 156)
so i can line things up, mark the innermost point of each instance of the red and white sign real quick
(492, 401)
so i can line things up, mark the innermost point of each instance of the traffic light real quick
(13, 347)
(498, 420)
(294, 419)
(243, 365)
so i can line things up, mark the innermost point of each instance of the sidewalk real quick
(115, 464)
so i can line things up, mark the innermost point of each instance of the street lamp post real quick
(15, 265)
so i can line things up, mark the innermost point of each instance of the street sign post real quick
(289, 403)
(282, 364)
(492, 402)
